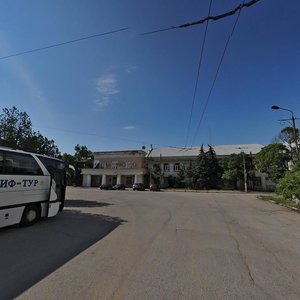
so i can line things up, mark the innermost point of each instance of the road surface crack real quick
(229, 221)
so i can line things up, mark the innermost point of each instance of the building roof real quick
(222, 150)
(119, 152)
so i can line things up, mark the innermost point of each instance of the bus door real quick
(58, 173)
(59, 176)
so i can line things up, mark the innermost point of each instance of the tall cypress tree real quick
(201, 169)
(207, 172)
(214, 171)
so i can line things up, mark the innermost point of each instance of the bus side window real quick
(9, 166)
(21, 164)
(1, 163)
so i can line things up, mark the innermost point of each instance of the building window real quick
(129, 165)
(102, 165)
(166, 167)
(176, 167)
(114, 164)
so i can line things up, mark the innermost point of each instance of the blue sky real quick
(125, 90)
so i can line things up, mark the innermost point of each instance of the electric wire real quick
(63, 43)
(197, 78)
(215, 77)
(214, 18)
(105, 136)
(237, 9)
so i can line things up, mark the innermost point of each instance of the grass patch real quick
(280, 201)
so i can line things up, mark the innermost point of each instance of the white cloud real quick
(130, 68)
(106, 87)
(102, 102)
(129, 127)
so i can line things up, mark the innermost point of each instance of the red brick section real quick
(138, 162)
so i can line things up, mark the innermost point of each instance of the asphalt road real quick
(155, 245)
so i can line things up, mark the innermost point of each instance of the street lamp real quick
(294, 126)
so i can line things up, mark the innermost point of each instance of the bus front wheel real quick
(30, 215)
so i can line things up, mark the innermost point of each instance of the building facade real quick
(114, 167)
(171, 160)
(137, 166)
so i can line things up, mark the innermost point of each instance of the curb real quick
(281, 204)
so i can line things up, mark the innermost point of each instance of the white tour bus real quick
(31, 186)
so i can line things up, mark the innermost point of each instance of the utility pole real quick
(295, 135)
(244, 168)
(245, 173)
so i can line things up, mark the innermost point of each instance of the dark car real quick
(119, 187)
(105, 186)
(138, 187)
(154, 187)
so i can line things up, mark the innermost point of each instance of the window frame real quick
(177, 167)
(114, 164)
(166, 167)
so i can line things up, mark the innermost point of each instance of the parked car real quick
(138, 187)
(119, 187)
(105, 186)
(154, 187)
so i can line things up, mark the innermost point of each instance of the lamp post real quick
(294, 126)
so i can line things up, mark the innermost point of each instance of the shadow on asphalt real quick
(85, 203)
(29, 254)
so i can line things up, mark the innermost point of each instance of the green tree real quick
(206, 172)
(39, 144)
(289, 185)
(16, 132)
(82, 158)
(72, 172)
(233, 168)
(200, 170)
(82, 154)
(214, 171)
(288, 137)
(15, 128)
(155, 174)
(181, 177)
(273, 159)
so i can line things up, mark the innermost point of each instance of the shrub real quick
(289, 185)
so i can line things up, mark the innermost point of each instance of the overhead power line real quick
(63, 43)
(105, 136)
(197, 78)
(216, 76)
(214, 18)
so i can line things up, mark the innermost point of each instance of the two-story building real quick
(172, 160)
(113, 167)
(135, 166)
